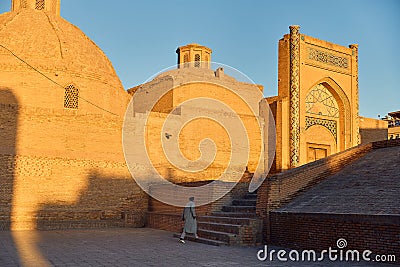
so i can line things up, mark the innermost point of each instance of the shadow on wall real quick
(8, 136)
(55, 193)
(107, 201)
(8, 151)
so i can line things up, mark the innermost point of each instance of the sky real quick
(140, 37)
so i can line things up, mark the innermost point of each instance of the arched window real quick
(185, 60)
(320, 101)
(40, 4)
(71, 97)
(197, 61)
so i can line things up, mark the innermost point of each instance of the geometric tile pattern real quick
(355, 50)
(327, 58)
(39, 4)
(320, 101)
(331, 125)
(294, 95)
(186, 60)
(197, 61)
(71, 97)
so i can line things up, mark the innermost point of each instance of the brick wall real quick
(377, 233)
(165, 221)
(279, 189)
(373, 130)
(54, 193)
(60, 133)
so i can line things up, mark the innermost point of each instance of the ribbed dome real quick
(63, 52)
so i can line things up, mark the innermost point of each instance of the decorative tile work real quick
(355, 52)
(71, 97)
(331, 125)
(39, 4)
(197, 61)
(294, 95)
(320, 101)
(327, 58)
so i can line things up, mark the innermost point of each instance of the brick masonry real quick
(375, 227)
(35, 194)
(281, 188)
(377, 233)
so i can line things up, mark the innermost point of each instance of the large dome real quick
(63, 53)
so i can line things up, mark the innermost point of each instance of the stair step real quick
(244, 209)
(202, 240)
(233, 214)
(216, 235)
(227, 220)
(220, 227)
(244, 202)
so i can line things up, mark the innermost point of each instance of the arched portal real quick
(327, 111)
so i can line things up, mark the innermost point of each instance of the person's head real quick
(191, 198)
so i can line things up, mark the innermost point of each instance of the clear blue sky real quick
(140, 37)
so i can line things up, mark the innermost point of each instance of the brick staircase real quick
(235, 224)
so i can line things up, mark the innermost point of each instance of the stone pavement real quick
(127, 247)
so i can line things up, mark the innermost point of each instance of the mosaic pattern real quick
(331, 125)
(197, 61)
(186, 60)
(294, 95)
(39, 4)
(355, 51)
(320, 101)
(328, 58)
(71, 97)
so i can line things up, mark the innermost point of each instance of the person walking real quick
(189, 217)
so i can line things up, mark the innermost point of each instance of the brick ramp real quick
(371, 185)
(360, 203)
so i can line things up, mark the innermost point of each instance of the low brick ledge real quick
(347, 217)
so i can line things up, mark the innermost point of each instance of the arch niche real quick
(327, 120)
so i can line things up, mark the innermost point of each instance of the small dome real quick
(62, 52)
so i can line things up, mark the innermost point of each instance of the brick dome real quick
(63, 53)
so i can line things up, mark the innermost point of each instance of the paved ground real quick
(127, 247)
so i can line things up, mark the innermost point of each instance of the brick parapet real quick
(319, 231)
(281, 188)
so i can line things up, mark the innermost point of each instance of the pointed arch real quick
(320, 101)
(344, 106)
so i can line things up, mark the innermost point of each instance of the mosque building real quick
(63, 106)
